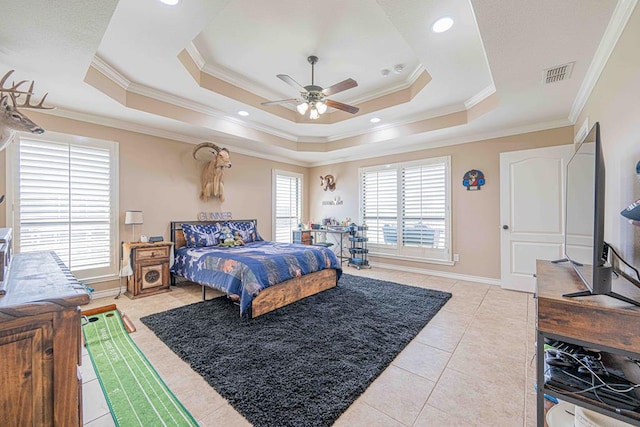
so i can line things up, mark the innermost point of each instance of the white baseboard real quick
(112, 292)
(455, 276)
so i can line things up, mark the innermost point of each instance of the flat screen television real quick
(584, 245)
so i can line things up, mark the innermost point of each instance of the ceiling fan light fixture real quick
(314, 96)
(443, 24)
(302, 108)
(321, 107)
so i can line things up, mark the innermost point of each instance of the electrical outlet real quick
(456, 257)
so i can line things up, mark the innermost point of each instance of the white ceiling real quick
(185, 71)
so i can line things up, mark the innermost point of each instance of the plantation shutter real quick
(380, 205)
(64, 203)
(288, 205)
(424, 205)
(406, 207)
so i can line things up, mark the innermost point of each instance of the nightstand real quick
(150, 265)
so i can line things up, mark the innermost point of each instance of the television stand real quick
(610, 294)
(598, 323)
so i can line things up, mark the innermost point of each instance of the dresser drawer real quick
(142, 254)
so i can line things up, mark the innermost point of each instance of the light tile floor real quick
(472, 365)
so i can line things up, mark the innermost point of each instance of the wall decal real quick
(214, 216)
(336, 201)
(473, 179)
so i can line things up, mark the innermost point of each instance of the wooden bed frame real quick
(275, 296)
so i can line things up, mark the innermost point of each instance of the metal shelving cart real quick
(358, 246)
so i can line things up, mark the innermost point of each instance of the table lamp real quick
(133, 218)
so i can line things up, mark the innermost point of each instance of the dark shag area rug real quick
(303, 364)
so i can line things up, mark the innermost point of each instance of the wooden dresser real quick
(40, 343)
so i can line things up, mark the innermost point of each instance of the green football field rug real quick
(134, 391)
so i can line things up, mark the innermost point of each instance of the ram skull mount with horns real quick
(327, 182)
(212, 185)
(11, 119)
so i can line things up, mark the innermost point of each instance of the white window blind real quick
(287, 204)
(406, 207)
(380, 204)
(424, 205)
(65, 203)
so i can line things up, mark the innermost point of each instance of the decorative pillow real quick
(247, 230)
(198, 235)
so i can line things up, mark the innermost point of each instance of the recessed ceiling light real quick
(243, 113)
(442, 25)
(375, 120)
(170, 2)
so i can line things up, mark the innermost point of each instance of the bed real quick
(260, 276)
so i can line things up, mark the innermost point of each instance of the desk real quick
(598, 322)
(334, 236)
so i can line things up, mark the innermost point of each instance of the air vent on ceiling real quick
(556, 74)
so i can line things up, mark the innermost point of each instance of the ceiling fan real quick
(315, 97)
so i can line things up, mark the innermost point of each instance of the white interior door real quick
(531, 211)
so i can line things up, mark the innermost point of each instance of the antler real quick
(16, 94)
(12, 89)
(27, 101)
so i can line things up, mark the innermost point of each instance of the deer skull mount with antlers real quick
(11, 119)
(212, 185)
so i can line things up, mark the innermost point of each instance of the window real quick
(287, 202)
(65, 200)
(406, 207)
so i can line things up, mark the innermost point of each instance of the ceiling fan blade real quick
(282, 101)
(339, 87)
(287, 79)
(340, 106)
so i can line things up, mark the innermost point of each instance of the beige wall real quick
(161, 178)
(475, 214)
(614, 103)
(158, 175)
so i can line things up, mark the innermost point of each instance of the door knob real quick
(505, 227)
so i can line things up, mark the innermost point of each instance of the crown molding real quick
(480, 96)
(431, 142)
(617, 23)
(111, 73)
(152, 131)
(158, 95)
(253, 87)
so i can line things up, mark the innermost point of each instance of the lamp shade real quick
(321, 107)
(133, 217)
(302, 108)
